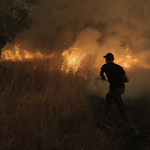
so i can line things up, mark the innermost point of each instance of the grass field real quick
(43, 108)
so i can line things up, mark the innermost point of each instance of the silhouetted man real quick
(116, 77)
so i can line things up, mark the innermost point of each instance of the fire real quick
(72, 59)
(129, 61)
(18, 55)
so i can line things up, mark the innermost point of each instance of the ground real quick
(138, 110)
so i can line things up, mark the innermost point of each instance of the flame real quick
(18, 55)
(127, 61)
(72, 59)
(130, 61)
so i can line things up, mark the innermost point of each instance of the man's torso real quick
(114, 74)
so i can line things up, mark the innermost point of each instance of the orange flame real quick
(130, 61)
(72, 59)
(74, 56)
(18, 55)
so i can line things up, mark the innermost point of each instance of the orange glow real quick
(130, 61)
(72, 59)
(18, 55)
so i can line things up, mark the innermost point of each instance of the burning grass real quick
(42, 107)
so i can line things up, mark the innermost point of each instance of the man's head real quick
(109, 57)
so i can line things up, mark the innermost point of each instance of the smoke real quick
(87, 42)
(96, 27)
(59, 22)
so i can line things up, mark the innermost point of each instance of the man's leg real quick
(108, 103)
(119, 102)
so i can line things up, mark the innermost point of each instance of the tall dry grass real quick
(42, 107)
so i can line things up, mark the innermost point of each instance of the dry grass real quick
(43, 108)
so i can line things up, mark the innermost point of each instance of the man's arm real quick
(102, 75)
(125, 78)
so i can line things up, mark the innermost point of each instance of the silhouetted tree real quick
(15, 17)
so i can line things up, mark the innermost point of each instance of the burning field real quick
(51, 94)
(55, 101)
(85, 56)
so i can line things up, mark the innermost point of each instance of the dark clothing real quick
(114, 74)
(116, 94)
